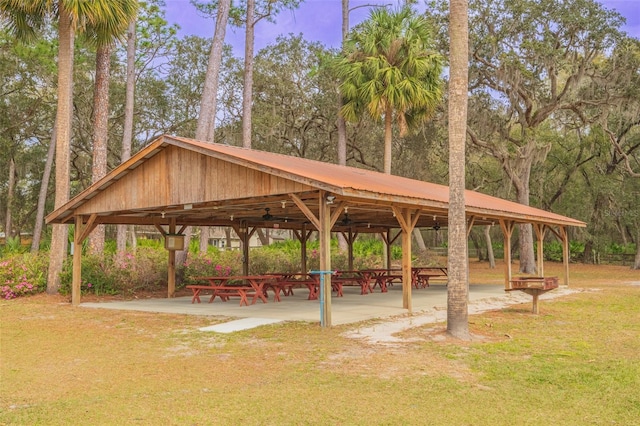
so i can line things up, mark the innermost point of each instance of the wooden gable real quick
(175, 176)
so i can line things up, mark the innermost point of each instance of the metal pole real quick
(322, 274)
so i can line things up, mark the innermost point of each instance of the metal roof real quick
(368, 195)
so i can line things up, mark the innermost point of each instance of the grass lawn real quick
(577, 363)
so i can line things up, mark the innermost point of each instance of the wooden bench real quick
(287, 282)
(533, 286)
(225, 292)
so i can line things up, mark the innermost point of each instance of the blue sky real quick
(319, 20)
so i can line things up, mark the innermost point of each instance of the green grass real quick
(578, 363)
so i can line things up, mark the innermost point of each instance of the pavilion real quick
(176, 182)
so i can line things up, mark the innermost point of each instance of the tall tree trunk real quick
(636, 262)
(422, 247)
(208, 103)
(127, 133)
(42, 195)
(100, 133)
(8, 227)
(205, 129)
(247, 92)
(527, 257)
(59, 235)
(341, 124)
(388, 121)
(227, 236)
(490, 256)
(458, 286)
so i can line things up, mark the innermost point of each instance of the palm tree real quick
(388, 66)
(104, 34)
(25, 18)
(457, 288)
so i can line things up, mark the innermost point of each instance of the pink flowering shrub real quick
(23, 274)
(97, 275)
(214, 263)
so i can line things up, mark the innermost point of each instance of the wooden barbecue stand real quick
(534, 286)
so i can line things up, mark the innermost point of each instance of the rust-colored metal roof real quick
(358, 187)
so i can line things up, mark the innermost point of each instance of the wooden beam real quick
(88, 227)
(470, 222)
(307, 212)
(400, 217)
(507, 230)
(160, 229)
(337, 212)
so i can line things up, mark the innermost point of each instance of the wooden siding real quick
(177, 176)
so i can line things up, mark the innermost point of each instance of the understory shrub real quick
(213, 263)
(99, 275)
(146, 269)
(23, 274)
(553, 250)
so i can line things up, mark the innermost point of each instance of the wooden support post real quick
(535, 295)
(324, 220)
(350, 237)
(406, 271)
(303, 237)
(171, 269)
(388, 242)
(77, 263)
(565, 253)
(407, 219)
(507, 230)
(81, 232)
(540, 231)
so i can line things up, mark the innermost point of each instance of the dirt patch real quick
(390, 331)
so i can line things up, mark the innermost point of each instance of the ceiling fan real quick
(268, 216)
(346, 221)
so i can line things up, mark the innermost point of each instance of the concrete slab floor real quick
(351, 308)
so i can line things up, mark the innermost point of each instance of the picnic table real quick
(285, 282)
(383, 277)
(227, 286)
(420, 275)
(362, 278)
